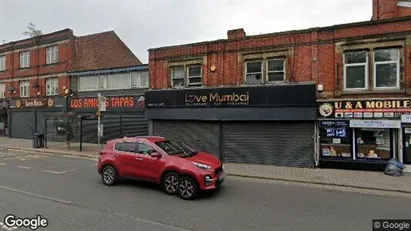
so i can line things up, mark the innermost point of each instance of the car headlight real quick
(203, 166)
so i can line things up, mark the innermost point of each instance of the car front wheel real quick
(109, 175)
(170, 183)
(187, 188)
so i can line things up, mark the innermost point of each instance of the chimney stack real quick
(236, 33)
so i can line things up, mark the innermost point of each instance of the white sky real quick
(148, 24)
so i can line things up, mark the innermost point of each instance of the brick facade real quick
(312, 55)
(90, 52)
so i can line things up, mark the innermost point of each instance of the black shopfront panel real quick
(201, 135)
(22, 124)
(271, 143)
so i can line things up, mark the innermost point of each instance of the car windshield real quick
(170, 147)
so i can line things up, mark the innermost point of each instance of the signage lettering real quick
(114, 102)
(35, 103)
(218, 99)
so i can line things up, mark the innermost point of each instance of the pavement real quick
(68, 192)
(332, 177)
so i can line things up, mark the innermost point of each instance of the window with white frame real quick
(2, 63)
(24, 88)
(24, 59)
(177, 76)
(275, 70)
(254, 72)
(119, 81)
(355, 70)
(2, 90)
(139, 79)
(51, 86)
(194, 74)
(52, 54)
(386, 68)
(89, 83)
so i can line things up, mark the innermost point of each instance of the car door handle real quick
(139, 158)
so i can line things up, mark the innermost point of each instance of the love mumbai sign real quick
(217, 99)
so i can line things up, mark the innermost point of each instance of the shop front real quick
(27, 116)
(124, 116)
(271, 125)
(362, 133)
(4, 107)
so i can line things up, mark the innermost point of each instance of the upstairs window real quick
(24, 88)
(177, 76)
(186, 76)
(2, 63)
(24, 59)
(355, 70)
(51, 86)
(265, 71)
(52, 55)
(139, 79)
(2, 90)
(386, 68)
(194, 74)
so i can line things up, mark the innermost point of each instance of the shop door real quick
(281, 144)
(203, 136)
(407, 146)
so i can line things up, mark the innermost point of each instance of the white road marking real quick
(152, 222)
(35, 195)
(61, 172)
(49, 171)
(94, 165)
(4, 226)
(3, 164)
(23, 167)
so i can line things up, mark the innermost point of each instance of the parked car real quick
(175, 166)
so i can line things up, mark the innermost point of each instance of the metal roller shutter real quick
(203, 136)
(134, 124)
(282, 144)
(22, 124)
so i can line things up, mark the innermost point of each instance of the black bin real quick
(38, 140)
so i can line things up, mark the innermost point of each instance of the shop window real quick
(52, 54)
(335, 139)
(24, 59)
(2, 63)
(386, 68)
(24, 88)
(2, 89)
(373, 143)
(51, 86)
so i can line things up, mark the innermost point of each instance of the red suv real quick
(176, 167)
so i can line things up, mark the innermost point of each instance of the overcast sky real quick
(149, 24)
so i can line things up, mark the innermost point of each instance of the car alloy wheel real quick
(187, 188)
(109, 175)
(170, 183)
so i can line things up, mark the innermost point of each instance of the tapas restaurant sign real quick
(364, 109)
(35, 103)
(257, 96)
(111, 102)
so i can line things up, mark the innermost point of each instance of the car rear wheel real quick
(187, 188)
(170, 183)
(109, 175)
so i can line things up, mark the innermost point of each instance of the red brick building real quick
(34, 73)
(357, 70)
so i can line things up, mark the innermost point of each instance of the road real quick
(69, 193)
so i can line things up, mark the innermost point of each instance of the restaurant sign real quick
(35, 103)
(364, 109)
(111, 102)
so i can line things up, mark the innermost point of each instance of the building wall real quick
(38, 70)
(311, 55)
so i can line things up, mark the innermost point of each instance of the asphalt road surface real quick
(69, 193)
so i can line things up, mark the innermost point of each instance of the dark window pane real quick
(254, 79)
(386, 75)
(276, 76)
(355, 77)
(117, 147)
(386, 55)
(194, 71)
(195, 80)
(276, 65)
(178, 82)
(128, 147)
(144, 149)
(253, 67)
(355, 57)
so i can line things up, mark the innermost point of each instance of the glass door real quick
(407, 146)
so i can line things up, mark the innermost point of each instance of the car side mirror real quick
(155, 155)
